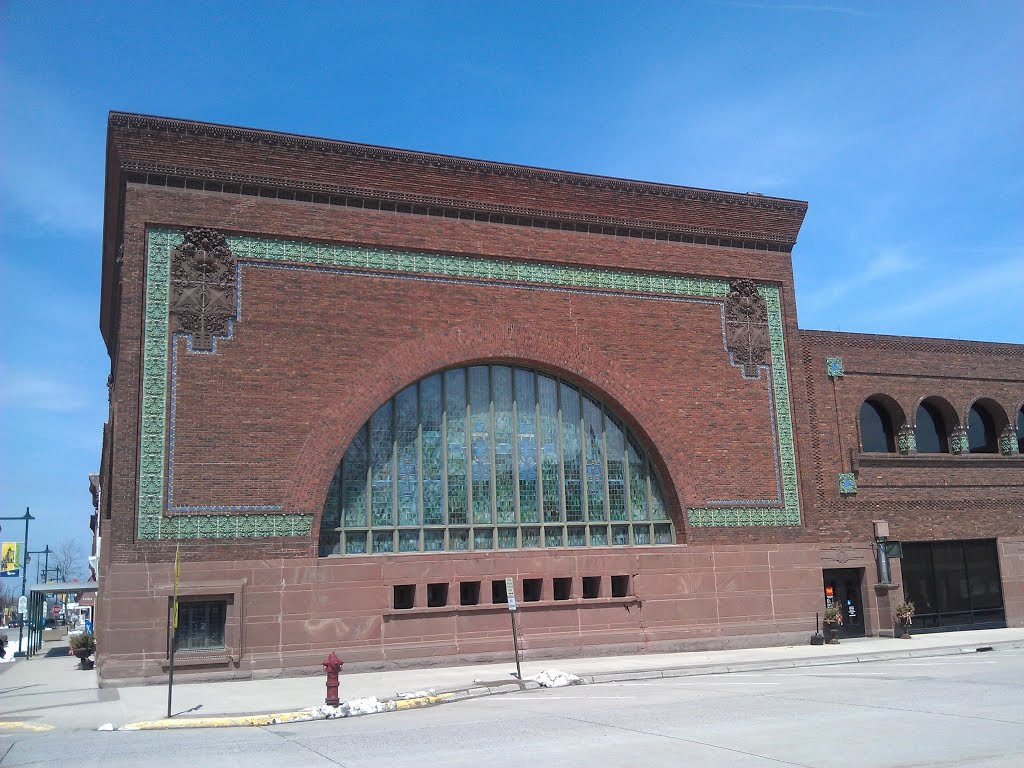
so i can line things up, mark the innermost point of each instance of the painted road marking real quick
(18, 726)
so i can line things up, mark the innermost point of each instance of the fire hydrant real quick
(333, 667)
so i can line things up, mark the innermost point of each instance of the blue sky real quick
(902, 124)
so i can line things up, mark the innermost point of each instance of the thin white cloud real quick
(793, 7)
(53, 165)
(39, 392)
(887, 263)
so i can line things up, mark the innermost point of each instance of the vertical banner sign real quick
(10, 558)
(174, 626)
(510, 593)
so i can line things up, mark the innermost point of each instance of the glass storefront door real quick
(843, 588)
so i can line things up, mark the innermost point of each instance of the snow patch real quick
(555, 678)
(371, 705)
(106, 727)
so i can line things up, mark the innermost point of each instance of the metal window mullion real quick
(394, 474)
(584, 504)
(467, 436)
(563, 516)
(604, 471)
(421, 517)
(539, 454)
(444, 459)
(515, 463)
(492, 438)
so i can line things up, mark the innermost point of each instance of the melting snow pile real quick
(555, 678)
(368, 706)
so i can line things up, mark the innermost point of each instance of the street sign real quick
(22, 605)
(510, 591)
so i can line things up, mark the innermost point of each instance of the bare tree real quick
(68, 557)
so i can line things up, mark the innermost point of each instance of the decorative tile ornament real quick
(958, 442)
(242, 520)
(1008, 444)
(746, 326)
(834, 367)
(203, 287)
(906, 440)
(847, 483)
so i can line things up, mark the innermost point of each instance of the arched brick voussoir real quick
(495, 342)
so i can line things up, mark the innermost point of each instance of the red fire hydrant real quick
(333, 667)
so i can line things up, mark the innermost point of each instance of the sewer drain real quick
(983, 648)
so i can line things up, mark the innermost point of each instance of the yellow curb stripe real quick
(239, 721)
(16, 726)
(421, 701)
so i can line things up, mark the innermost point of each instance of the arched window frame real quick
(891, 417)
(945, 421)
(557, 428)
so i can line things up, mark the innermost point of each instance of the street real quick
(964, 710)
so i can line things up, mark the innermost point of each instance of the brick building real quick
(362, 386)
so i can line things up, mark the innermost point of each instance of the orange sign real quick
(828, 591)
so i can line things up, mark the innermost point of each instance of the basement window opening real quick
(591, 587)
(469, 593)
(532, 589)
(437, 595)
(562, 588)
(620, 586)
(405, 596)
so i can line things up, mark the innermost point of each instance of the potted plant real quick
(833, 620)
(905, 617)
(83, 645)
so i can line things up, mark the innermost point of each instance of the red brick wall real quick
(315, 354)
(930, 496)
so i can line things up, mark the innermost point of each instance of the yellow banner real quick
(10, 556)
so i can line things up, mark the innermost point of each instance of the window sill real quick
(986, 460)
(198, 659)
(576, 602)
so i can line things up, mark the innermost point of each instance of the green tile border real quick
(154, 524)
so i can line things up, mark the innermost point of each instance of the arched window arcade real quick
(492, 457)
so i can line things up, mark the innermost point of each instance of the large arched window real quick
(930, 431)
(492, 457)
(981, 430)
(876, 431)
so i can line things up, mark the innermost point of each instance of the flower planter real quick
(831, 633)
(904, 629)
(83, 654)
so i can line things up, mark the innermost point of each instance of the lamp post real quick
(24, 575)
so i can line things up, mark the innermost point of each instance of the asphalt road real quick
(965, 710)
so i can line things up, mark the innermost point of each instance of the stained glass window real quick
(492, 457)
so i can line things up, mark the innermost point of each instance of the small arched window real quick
(876, 432)
(981, 431)
(930, 430)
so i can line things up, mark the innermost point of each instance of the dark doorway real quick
(954, 584)
(843, 587)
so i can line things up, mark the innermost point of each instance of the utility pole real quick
(24, 576)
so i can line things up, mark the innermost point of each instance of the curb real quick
(498, 687)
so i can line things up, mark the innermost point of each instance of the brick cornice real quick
(460, 164)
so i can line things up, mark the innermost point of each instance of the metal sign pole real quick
(174, 627)
(24, 577)
(510, 593)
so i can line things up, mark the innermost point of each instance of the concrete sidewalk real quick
(51, 690)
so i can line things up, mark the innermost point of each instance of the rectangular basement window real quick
(591, 587)
(201, 625)
(531, 590)
(498, 593)
(562, 588)
(405, 596)
(620, 586)
(469, 593)
(437, 595)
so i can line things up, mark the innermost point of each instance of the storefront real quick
(953, 584)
